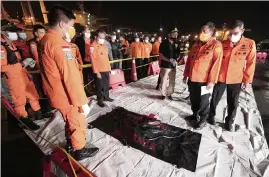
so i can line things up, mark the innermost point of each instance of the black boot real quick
(211, 120)
(68, 147)
(201, 124)
(85, 153)
(109, 99)
(101, 104)
(38, 115)
(229, 124)
(28, 123)
(192, 121)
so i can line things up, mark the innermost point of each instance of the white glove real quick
(86, 109)
(28, 62)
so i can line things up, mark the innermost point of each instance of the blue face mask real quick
(22, 35)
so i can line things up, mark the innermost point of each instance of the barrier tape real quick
(113, 61)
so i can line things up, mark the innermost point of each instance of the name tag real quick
(68, 53)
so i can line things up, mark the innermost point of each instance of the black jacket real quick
(116, 52)
(80, 42)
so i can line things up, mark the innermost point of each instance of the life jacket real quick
(11, 55)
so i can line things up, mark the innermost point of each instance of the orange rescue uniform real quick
(77, 55)
(34, 51)
(238, 62)
(19, 83)
(87, 57)
(146, 50)
(204, 61)
(60, 73)
(136, 50)
(155, 48)
(126, 47)
(23, 47)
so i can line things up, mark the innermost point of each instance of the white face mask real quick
(152, 40)
(22, 35)
(67, 37)
(137, 40)
(235, 38)
(12, 36)
(87, 35)
(146, 40)
(159, 39)
(113, 37)
(101, 41)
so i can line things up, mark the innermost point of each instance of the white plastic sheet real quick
(221, 154)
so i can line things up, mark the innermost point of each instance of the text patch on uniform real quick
(68, 53)
(2, 54)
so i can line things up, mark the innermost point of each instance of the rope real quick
(56, 146)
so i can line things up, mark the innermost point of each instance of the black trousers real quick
(102, 86)
(233, 91)
(139, 70)
(199, 104)
(87, 75)
(159, 81)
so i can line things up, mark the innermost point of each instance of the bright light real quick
(217, 34)
(118, 31)
(196, 36)
(75, 14)
(32, 18)
(227, 32)
(161, 29)
(189, 35)
(80, 16)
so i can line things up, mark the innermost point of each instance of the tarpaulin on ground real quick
(172, 144)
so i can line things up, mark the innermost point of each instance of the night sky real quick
(187, 16)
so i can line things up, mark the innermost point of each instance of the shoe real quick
(211, 120)
(85, 153)
(38, 115)
(163, 97)
(101, 104)
(109, 99)
(28, 123)
(170, 97)
(229, 125)
(192, 121)
(201, 124)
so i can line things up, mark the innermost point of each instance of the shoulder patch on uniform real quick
(91, 49)
(218, 49)
(2, 53)
(33, 46)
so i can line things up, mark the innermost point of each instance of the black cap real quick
(114, 34)
(172, 30)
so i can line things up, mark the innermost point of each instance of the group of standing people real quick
(210, 63)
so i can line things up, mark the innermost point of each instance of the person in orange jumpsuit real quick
(202, 70)
(15, 75)
(21, 43)
(136, 50)
(236, 73)
(38, 32)
(146, 51)
(83, 42)
(61, 80)
(125, 49)
(155, 51)
(101, 68)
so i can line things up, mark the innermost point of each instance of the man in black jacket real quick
(116, 52)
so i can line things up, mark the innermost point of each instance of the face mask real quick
(22, 35)
(146, 40)
(160, 39)
(87, 35)
(152, 40)
(203, 37)
(113, 37)
(67, 37)
(137, 40)
(235, 38)
(12, 36)
(101, 41)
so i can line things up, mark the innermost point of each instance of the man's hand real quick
(185, 80)
(173, 62)
(245, 86)
(209, 85)
(99, 76)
